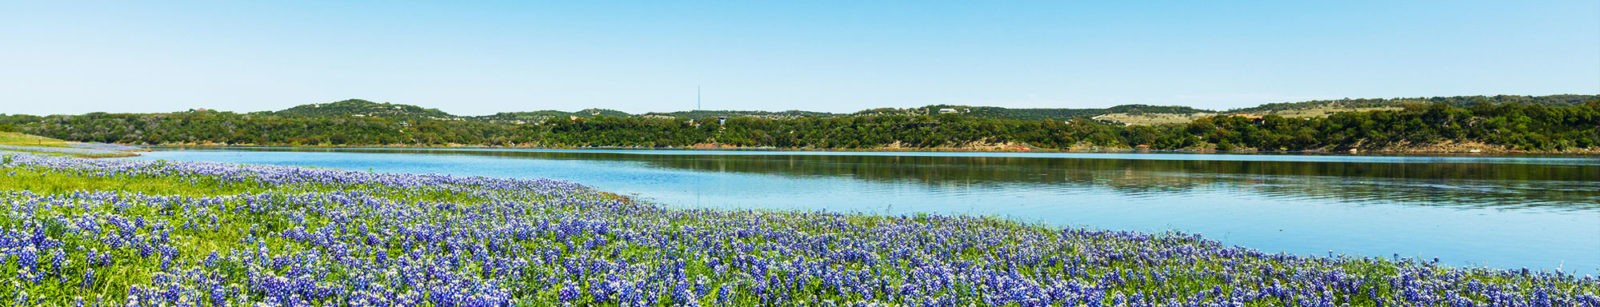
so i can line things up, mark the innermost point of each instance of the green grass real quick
(43, 181)
(19, 139)
(52, 147)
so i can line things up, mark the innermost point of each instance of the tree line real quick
(1518, 126)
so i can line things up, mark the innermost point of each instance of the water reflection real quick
(1545, 184)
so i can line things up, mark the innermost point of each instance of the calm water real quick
(1504, 212)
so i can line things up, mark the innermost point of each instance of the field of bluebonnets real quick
(116, 232)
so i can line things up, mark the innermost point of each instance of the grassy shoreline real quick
(153, 232)
(18, 142)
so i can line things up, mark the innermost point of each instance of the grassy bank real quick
(125, 232)
(18, 142)
(19, 139)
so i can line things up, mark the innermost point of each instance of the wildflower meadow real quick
(110, 232)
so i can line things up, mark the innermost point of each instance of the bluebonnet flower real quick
(568, 292)
(88, 278)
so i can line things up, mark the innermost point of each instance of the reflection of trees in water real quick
(1566, 187)
(1557, 195)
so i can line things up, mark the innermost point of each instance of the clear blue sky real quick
(482, 57)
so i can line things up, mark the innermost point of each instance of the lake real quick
(1500, 212)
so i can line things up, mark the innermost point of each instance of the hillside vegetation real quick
(1325, 108)
(1031, 113)
(1396, 103)
(363, 108)
(791, 114)
(539, 116)
(1500, 123)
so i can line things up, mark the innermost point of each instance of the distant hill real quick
(536, 116)
(1133, 114)
(761, 114)
(1455, 101)
(1035, 113)
(1324, 108)
(364, 108)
